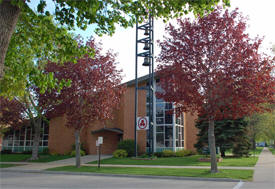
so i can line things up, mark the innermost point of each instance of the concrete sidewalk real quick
(88, 158)
(41, 166)
(264, 174)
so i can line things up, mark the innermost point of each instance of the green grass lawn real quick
(272, 150)
(25, 157)
(7, 165)
(257, 151)
(182, 161)
(234, 174)
(14, 157)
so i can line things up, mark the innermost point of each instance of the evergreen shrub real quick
(128, 145)
(182, 153)
(168, 153)
(120, 153)
(82, 153)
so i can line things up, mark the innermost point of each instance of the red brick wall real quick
(61, 138)
(129, 115)
(190, 131)
(110, 141)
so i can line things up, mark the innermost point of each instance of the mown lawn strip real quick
(25, 157)
(204, 173)
(182, 161)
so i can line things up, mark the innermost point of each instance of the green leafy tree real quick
(104, 14)
(264, 125)
(253, 129)
(242, 145)
(32, 45)
(13, 112)
(226, 132)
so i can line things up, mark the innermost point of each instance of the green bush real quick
(81, 147)
(182, 153)
(127, 145)
(54, 154)
(120, 153)
(147, 156)
(158, 154)
(168, 153)
(82, 153)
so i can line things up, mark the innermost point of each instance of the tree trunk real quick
(212, 146)
(8, 19)
(77, 148)
(36, 139)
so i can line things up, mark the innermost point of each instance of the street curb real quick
(167, 167)
(122, 175)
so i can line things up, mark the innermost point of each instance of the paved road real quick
(264, 178)
(15, 180)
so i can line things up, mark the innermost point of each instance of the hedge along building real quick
(170, 132)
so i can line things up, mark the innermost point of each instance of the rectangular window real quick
(169, 132)
(160, 129)
(16, 143)
(10, 142)
(159, 109)
(21, 143)
(45, 137)
(182, 131)
(169, 143)
(168, 118)
(160, 139)
(28, 143)
(45, 143)
(159, 120)
(177, 132)
(168, 106)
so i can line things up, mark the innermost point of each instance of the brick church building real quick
(170, 131)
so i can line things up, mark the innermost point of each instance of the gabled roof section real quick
(140, 80)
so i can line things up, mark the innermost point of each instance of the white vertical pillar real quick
(25, 138)
(174, 128)
(13, 140)
(154, 116)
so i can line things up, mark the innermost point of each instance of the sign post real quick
(99, 141)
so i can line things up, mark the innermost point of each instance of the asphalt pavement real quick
(17, 180)
(22, 177)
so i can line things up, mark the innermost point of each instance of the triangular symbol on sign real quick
(142, 123)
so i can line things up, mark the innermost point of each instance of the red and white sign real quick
(142, 123)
